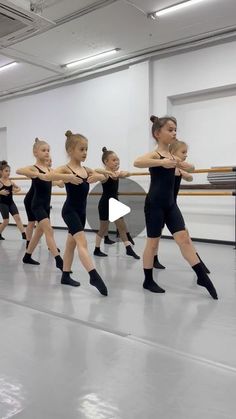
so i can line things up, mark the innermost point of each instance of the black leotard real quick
(7, 205)
(110, 190)
(74, 208)
(177, 186)
(160, 206)
(27, 203)
(40, 204)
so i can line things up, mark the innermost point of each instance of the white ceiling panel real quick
(56, 9)
(100, 27)
(121, 25)
(4, 60)
(22, 75)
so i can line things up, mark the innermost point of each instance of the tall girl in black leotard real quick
(74, 209)
(110, 190)
(161, 208)
(7, 205)
(40, 204)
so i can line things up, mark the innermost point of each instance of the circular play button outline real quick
(135, 220)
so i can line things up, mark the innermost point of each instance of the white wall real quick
(198, 87)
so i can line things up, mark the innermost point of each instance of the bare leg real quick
(149, 252)
(29, 230)
(121, 226)
(186, 247)
(102, 231)
(189, 253)
(67, 262)
(69, 253)
(4, 224)
(35, 239)
(45, 225)
(103, 228)
(19, 223)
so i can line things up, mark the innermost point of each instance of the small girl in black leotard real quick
(160, 205)
(40, 202)
(7, 205)
(74, 209)
(179, 149)
(110, 190)
(27, 203)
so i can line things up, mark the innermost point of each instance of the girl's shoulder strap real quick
(160, 155)
(72, 171)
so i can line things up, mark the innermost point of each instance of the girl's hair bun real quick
(104, 149)
(68, 133)
(153, 118)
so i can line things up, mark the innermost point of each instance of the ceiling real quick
(88, 27)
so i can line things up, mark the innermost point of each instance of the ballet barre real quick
(226, 169)
(197, 193)
(211, 170)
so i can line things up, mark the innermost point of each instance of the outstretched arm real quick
(95, 176)
(28, 171)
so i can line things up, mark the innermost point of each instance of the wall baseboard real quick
(195, 239)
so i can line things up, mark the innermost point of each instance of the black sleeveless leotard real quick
(160, 206)
(40, 204)
(177, 186)
(27, 203)
(110, 190)
(7, 205)
(74, 208)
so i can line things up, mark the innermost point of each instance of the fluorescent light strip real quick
(92, 57)
(176, 7)
(7, 66)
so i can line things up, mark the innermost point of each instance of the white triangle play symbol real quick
(117, 209)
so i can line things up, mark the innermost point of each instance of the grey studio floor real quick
(69, 353)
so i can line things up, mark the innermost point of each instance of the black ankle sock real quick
(149, 284)
(28, 259)
(1, 238)
(107, 240)
(204, 281)
(97, 252)
(157, 264)
(203, 264)
(59, 262)
(67, 280)
(97, 282)
(23, 235)
(130, 238)
(130, 252)
(27, 243)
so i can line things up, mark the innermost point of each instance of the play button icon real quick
(117, 209)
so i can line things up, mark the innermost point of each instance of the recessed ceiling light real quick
(173, 8)
(91, 58)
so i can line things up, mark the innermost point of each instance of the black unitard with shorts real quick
(7, 205)
(74, 208)
(160, 205)
(110, 190)
(27, 203)
(40, 204)
(177, 186)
